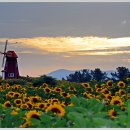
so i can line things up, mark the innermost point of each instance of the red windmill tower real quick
(10, 66)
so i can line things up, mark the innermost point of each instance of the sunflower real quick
(24, 106)
(17, 95)
(47, 90)
(105, 91)
(107, 96)
(122, 92)
(30, 105)
(98, 86)
(26, 99)
(41, 106)
(18, 102)
(34, 99)
(117, 94)
(109, 83)
(116, 101)
(23, 90)
(123, 108)
(32, 114)
(25, 124)
(56, 109)
(64, 94)
(121, 84)
(112, 113)
(14, 112)
(55, 100)
(10, 94)
(71, 89)
(7, 104)
(98, 90)
(87, 95)
(57, 90)
(85, 85)
(44, 85)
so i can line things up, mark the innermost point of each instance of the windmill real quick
(10, 66)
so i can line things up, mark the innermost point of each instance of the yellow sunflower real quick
(41, 106)
(98, 86)
(24, 106)
(98, 90)
(34, 99)
(55, 100)
(109, 83)
(71, 89)
(123, 108)
(121, 84)
(122, 92)
(30, 105)
(14, 112)
(32, 114)
(57, 90)
(116, 101)
(7, 104)
(87, 95)
(85, 85)
(112, 113)
(56, 109)
(47, 90)
(107, 96)
(64, 94)
(26, 99)
(17, 95)
(105, 91)
(18, 102)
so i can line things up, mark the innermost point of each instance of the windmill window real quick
(11, 75)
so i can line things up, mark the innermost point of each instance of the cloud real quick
(124, 22)
(70, 45)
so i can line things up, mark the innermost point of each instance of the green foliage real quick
(44, 79)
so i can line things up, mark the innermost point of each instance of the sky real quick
(71, 36)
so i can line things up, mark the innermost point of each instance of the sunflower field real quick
(66, 105)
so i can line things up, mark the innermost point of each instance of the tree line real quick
(86, 75)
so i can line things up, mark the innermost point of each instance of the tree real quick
(98, 75)
(80, 76)
(121, 73)
(44, 79)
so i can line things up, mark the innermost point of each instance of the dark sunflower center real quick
(113, 113)
(122, 92)
(8, 105)
(86, 85)
(47, 90)
(34, 99)
(109, 84)
(64, 94)
(30, 106)
(116, 102)
(35, 116)
(16, 95)
(18, 101)
(106, 91)
(58, 89)
(55, 110)
(121, 84)
(41, 105)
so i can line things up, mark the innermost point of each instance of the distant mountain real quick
(61, 73)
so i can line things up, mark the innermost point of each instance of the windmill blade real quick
(3, 61)
(1, 52)
(5, 46)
